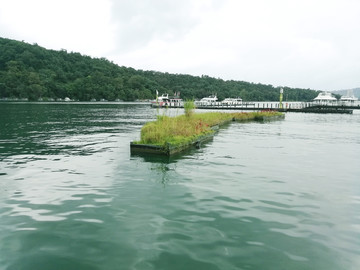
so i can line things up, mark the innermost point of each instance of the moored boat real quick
(210, 100)
(325, 97)
(165, 101)
(349, 97)
(232, 101)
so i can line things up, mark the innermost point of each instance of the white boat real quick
(165, 101)
(210, 100)
(349, 97)
(325, 97)
(232, 101)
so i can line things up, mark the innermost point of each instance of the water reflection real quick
(165, 166)
(164, 170)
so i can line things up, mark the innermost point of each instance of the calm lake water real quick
(276, 195)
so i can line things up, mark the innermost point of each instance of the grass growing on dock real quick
(184, 128)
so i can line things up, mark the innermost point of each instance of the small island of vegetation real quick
(170, 135)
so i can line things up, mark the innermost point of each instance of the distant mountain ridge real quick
(35, 73)
(356, 92)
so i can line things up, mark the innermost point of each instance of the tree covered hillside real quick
(33, 72)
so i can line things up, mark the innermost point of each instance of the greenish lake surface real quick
(275, 195)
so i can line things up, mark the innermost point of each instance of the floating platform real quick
(170, 150)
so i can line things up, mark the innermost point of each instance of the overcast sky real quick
(297, 43)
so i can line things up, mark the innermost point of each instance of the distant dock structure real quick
(323, 103)
(305, 107)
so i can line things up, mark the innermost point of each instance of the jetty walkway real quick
(305, 107)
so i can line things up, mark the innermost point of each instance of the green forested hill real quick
(33, 72)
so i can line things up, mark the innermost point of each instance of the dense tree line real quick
(32, 72)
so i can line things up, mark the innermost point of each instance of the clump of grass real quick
(189, 107)
(174, 130)
(184, 128)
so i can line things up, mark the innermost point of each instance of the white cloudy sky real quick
(298, 43)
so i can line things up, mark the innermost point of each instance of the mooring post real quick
(281, 98)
